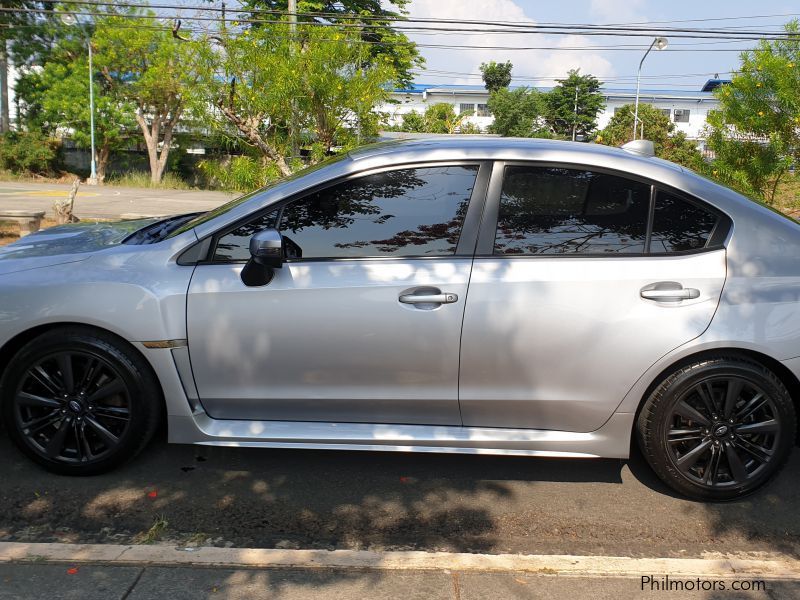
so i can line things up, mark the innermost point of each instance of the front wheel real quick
(718, 429)
(79, 401)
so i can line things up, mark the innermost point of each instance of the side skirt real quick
(612, 440)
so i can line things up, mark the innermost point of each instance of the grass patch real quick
(141, 179)
(787, 196)
(155, 532)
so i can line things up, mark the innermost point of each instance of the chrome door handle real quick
(445, 298)
(668, 291)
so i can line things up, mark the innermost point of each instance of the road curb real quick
(775, 567)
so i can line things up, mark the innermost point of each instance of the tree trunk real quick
(152, 135)
(249, 129)
(103, 155)
(5, 123)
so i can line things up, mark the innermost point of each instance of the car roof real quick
(492, 146)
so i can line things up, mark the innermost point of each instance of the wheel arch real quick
(781, 371)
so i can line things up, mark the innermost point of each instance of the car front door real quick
(582, 280)
(363, 322)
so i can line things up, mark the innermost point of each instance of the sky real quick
(684, 65)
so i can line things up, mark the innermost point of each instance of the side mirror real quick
(266, 248)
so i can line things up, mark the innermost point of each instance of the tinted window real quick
(679, 225)
(548, 210)
(236, 244)
(410, 212)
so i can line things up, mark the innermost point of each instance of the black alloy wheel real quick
(719, 428)
(79, 401)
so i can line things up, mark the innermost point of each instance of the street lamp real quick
(659, 44)
(69, 20)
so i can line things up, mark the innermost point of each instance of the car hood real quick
(65, 243)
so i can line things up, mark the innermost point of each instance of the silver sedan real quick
(484, 296)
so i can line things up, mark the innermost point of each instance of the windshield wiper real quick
(159, 230)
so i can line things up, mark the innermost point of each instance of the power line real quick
(582, 30)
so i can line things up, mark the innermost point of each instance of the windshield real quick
(221, 210)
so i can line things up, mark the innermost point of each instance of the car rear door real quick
(582, 280)
(363, 322)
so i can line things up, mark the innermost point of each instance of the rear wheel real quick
(718, 429)
(79, 401)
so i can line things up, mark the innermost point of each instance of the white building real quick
(687, 109)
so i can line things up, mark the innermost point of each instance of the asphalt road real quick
(362, 500)
(108, 201)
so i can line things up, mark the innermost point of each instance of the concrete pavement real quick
(39, 581)
(108, 202)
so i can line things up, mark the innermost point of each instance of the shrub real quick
(239, 173)
(28, 152)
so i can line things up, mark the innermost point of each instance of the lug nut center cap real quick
(721, 430)
(75, 406)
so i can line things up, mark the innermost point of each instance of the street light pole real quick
(69, 20)
(575, 118)
(93, 165)
(659, 43)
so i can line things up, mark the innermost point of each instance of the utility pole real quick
(575, 118)
(5, 124)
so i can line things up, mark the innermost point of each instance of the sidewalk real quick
(88, 572)
(108, 202)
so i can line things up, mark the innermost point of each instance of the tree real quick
(517, 113)
(265, 78)
(755, 133)
(438, 118)
(65, 90)
(573, 105)
(377, 37)
(496, 76)
(669, 144)
(151, 70)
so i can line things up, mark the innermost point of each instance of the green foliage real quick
(438, 118)
(496, 76)
(142, 179)
(317, 82)
(238, 174)
(517, 113)
(669, 144)
(755, 133)
(562, 115)
(382, 43)
(28, 152)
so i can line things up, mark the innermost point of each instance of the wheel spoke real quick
(89, 373)
(39, 423)
(770, 426)
(84, 444)
(688, 460)
(732, 396)
(760, 454)
(108, 438)
(735, 464)
(687, 411)
(26, 399)
(115, 386)
(64, 361)
(56, 443)
(710, 475)
(707, 396)
(675, 436)
(40, 375)
(112, 412)
(752, 406)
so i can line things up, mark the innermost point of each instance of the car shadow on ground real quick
(198, 495)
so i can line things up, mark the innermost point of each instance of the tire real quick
(103, 418)
(718, 429)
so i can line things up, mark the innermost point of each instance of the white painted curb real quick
(775, 567)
